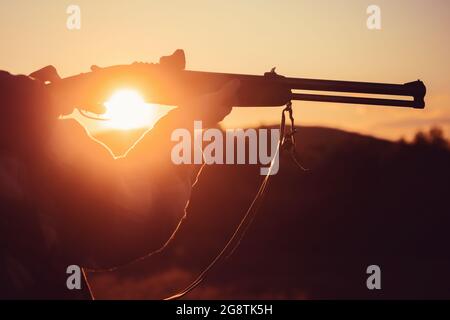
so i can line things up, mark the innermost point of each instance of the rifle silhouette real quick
(162, 84)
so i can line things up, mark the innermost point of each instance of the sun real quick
(126, 110)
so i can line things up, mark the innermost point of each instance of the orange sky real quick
(311, 38)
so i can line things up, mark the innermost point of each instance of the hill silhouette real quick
(363, 201)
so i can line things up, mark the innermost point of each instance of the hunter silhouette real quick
(65, 200)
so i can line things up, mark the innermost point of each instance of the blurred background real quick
(363, 201)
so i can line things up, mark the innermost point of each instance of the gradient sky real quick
(310, 38)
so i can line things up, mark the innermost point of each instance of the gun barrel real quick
(415, 90)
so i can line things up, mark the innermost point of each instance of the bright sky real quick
(309, 38)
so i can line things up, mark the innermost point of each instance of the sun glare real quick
(127, 110)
